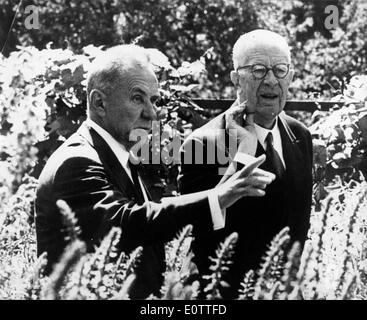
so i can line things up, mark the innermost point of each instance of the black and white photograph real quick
(206, 151)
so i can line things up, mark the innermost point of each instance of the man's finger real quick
(245, 172)
(257, 181)
(253, 192)
(262, 173)
(238, 109)
(242, 105)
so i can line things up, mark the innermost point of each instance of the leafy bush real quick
(340, 141)
(325, 60)
(44, 102)
(182, 29)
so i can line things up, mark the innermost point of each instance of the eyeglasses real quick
(259, 71)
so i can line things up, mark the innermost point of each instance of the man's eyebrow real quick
(142, 92)
(138, 90)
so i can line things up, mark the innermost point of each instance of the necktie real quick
(272, 157)
(135, 177)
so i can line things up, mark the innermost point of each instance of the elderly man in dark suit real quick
(93, 173)
(261, 76)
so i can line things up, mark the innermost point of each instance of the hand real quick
(242, 129)
(248, 182)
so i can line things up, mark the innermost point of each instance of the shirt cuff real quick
(244, 158)
(218, 215)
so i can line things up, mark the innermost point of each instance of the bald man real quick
(261, 76)
(93, 173)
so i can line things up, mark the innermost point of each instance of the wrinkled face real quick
(132, 105)
(265, 97)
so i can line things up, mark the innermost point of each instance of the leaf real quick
(195, 68)
(159, 59)
(185, 89)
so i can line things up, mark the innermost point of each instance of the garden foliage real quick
(42, 102)
(325, 59)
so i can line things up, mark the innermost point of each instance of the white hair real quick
(256, 38)
(108, 69)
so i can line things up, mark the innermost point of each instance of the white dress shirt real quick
(123, 156)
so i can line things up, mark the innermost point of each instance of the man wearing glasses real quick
(261, 76)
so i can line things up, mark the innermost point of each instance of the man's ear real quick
(97, 104)
(234, 78)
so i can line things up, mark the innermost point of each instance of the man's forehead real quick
(263, 51)
(261, 57)
(143, 79)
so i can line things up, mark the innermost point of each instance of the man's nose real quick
(270, 78)
(150, 112)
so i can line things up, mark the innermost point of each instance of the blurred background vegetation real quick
(183, 30)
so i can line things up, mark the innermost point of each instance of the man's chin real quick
(268, 109)
(266, 118)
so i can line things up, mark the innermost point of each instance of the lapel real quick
(110, 162)
(146, 190)
(288, 131)
(292, 154)
(295, 177)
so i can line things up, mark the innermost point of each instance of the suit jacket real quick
(87, 175)
(257, 220)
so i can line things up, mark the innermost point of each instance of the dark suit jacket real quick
(257, 220)
(87, 175)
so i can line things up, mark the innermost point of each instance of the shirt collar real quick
(118, 149)
(262, 133)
